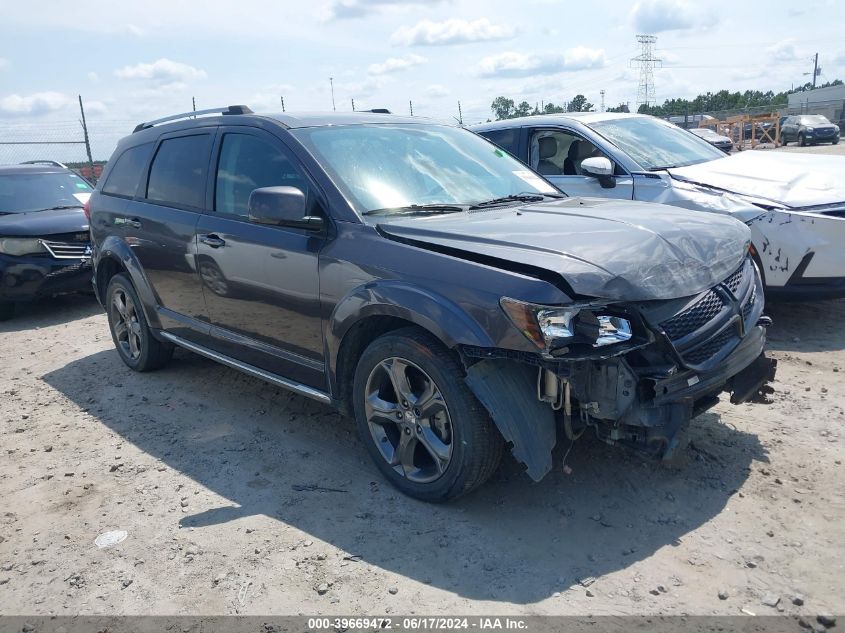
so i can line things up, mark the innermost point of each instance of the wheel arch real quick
(115, 257)
(378, 308)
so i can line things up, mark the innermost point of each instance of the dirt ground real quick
(238, 497)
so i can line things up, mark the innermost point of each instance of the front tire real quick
(129, 329)
(421, 424)
(802, 141)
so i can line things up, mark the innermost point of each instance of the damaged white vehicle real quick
(793, 203)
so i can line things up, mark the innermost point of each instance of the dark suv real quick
(421, 279)
(44, 247)
(809, 129)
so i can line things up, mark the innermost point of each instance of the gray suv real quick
(425, 282)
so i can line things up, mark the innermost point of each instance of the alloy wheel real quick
(127, 327)
(408, 420)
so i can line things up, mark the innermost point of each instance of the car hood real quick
(792, 179)
(607, 249)
(37, 223)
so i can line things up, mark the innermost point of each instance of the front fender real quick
(442, 317)
(115, 248)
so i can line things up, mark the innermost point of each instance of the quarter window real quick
(126, 172)
(177, 175)
(247, 163)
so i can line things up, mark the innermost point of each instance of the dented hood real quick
(792, 179)
(608, 249)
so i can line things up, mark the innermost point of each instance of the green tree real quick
(551, 108)
(523, 109)
(579, 103)
(503, 108)
(622, 107)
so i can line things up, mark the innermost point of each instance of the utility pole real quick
(85, 135)
(646, 62)
(411, 105)
(194, 103)
(331, 83)
(815, 69)
(460, 115)
(601, 92)
(283, 103)
(353, 105)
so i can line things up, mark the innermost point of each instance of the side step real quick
(301, 389)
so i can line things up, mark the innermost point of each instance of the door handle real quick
(212, 240)
(135, 223)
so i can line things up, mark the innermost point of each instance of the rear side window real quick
(508, 140)
(126, 172)
(247, 163)
(177, 175)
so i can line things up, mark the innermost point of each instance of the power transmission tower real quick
(646, 62)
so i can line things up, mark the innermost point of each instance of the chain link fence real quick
(63, 142)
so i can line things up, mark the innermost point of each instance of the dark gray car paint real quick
(371, 269)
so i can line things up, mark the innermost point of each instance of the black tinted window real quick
(247, 163)
(177, 175)
(508, 140)
(126, 172)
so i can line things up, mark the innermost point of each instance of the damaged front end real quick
(636, 373)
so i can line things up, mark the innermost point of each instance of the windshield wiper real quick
(417, 209)
(61, 206)
(517, 197)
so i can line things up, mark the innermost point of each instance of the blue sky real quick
(137, 60)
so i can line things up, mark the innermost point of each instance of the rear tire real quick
(129, 329)
(430, 437)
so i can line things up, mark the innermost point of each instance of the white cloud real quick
(135, 30)
(513, 64)
(396, 64)
(454, 31)
(345, 9)
(360, 89)
(4, 63)
(655, 16)
(162, 71)
(34, 104)
(783, 51)
(840, 59)
(436, 90)
(95, 107)
(92, 76)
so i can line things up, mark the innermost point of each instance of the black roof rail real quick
(54, 163)
(232, 109)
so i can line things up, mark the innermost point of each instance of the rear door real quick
(160, 227)
(261, 282)
(558, 153)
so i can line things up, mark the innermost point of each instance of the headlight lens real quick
(552, 327)
(811, 129)
(18, 246)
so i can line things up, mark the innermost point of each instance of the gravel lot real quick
(238, 497)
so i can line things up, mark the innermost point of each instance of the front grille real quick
(67, 250)
(712, 312)
(709, 348)
(688, 321)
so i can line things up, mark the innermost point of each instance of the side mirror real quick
(281, 206)
(601, 168)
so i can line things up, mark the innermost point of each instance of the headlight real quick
(551, 327)
(18, 246)
(811, 129)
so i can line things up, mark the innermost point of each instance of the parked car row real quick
(809, 129)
